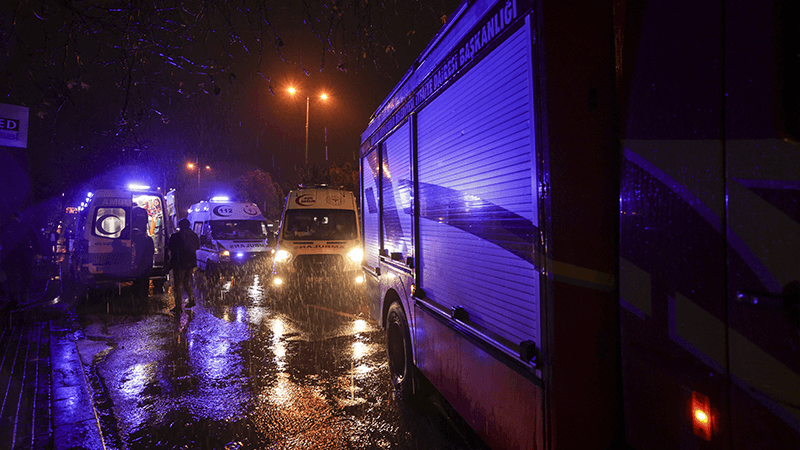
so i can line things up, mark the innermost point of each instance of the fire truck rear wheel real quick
(398, 350)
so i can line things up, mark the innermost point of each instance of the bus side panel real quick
(763, 191)
(671, 212)
(706, 218)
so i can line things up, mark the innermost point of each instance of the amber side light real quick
(701, 415)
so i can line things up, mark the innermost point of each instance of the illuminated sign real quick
(9, 124)
(13, 125)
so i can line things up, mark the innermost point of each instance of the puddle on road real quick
(244, 371)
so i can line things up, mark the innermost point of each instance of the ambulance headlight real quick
(224, 255)
(356, 254)
(282, 256)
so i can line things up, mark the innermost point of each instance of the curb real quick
(75, 421)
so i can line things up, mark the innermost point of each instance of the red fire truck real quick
(582, 223)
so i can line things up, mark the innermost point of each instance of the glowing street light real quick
(322, 96)
(196, 165)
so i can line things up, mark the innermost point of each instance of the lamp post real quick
(196, 165)
(308, 103)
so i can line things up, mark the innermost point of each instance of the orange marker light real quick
(701, 415)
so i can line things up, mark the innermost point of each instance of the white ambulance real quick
(232, 234)
(319, 242)
(104, 251)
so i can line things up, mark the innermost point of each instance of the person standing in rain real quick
(143, 251)
(183, 260)
(20, 245)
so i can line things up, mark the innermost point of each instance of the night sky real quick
(234, 116)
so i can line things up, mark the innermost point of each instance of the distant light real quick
(292, 90)
(90, 195)
(138, 187)
(220, 198)
(283, 256)
(324, 96)
(277, 281)
(356, 254)
(360, 325)
(190, 165)
(359, 350)
(208, 167)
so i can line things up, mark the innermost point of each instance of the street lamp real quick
(322, 96)
(196, 165)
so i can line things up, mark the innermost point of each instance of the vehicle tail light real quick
(701, 415)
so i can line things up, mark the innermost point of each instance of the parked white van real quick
(104, 251)
(319, 242)
(232, 234)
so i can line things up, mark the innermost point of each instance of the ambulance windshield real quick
(238, 229)
(319, 224)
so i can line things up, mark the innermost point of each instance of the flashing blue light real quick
(220, 198)
(138, 187)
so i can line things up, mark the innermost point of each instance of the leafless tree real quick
(184, 47)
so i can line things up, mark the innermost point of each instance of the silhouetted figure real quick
(20, 245)
(143, 251)
(183, 260)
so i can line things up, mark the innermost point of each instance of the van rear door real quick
(108, 248)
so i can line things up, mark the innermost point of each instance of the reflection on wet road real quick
(241, 371)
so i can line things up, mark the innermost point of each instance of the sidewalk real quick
(45, 399)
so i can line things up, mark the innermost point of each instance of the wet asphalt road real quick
(242, 370)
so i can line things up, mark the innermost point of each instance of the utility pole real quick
(307, 103)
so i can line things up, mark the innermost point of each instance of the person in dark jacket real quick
(183, 260)
(19, 245)
(143, 251)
